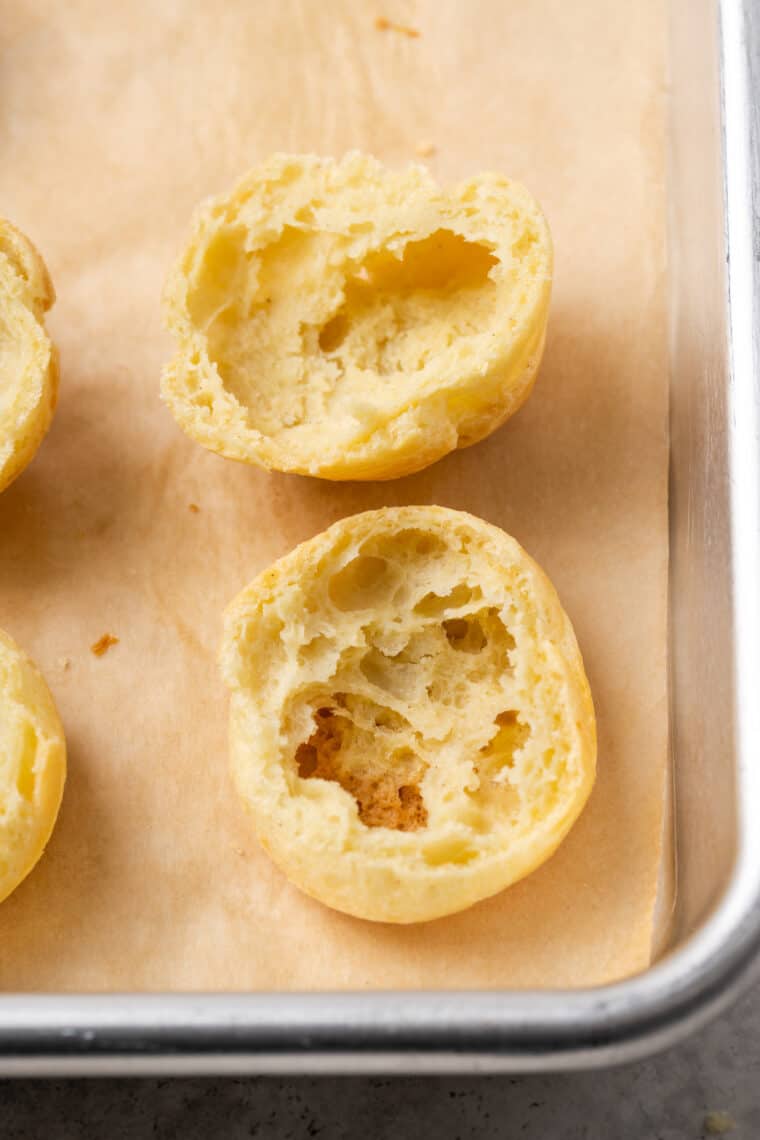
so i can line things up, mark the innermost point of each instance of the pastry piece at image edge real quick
(411, 725)
(32, 765)
(344, 320)
(28, 360)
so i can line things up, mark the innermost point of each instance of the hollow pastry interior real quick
(344, 320)
(32, 765)
(28, 362)
(411, 724)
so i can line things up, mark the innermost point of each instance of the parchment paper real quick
(114, 121)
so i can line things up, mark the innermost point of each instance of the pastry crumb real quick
(64, 663)
(103, 644)
(425, 149)
(239, 851)
(194, 508)
(719, 1123)
(385, 25)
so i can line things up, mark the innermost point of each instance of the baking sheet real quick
(114, 121)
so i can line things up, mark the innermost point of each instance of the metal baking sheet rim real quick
(458, 1032)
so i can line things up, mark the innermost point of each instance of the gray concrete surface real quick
(667, 1098)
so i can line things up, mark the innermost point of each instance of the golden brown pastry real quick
(344, 320)
(32, 765)
(28, 361)
(411, 726)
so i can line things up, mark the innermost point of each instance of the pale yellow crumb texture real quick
(28, 361)
(340, 319)
(32, 765)
(411, 725)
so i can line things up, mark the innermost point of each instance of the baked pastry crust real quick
(32, 765)
(339, 319)
(411, 725)
(28, 360)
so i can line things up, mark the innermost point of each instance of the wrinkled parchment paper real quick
(114, 121)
